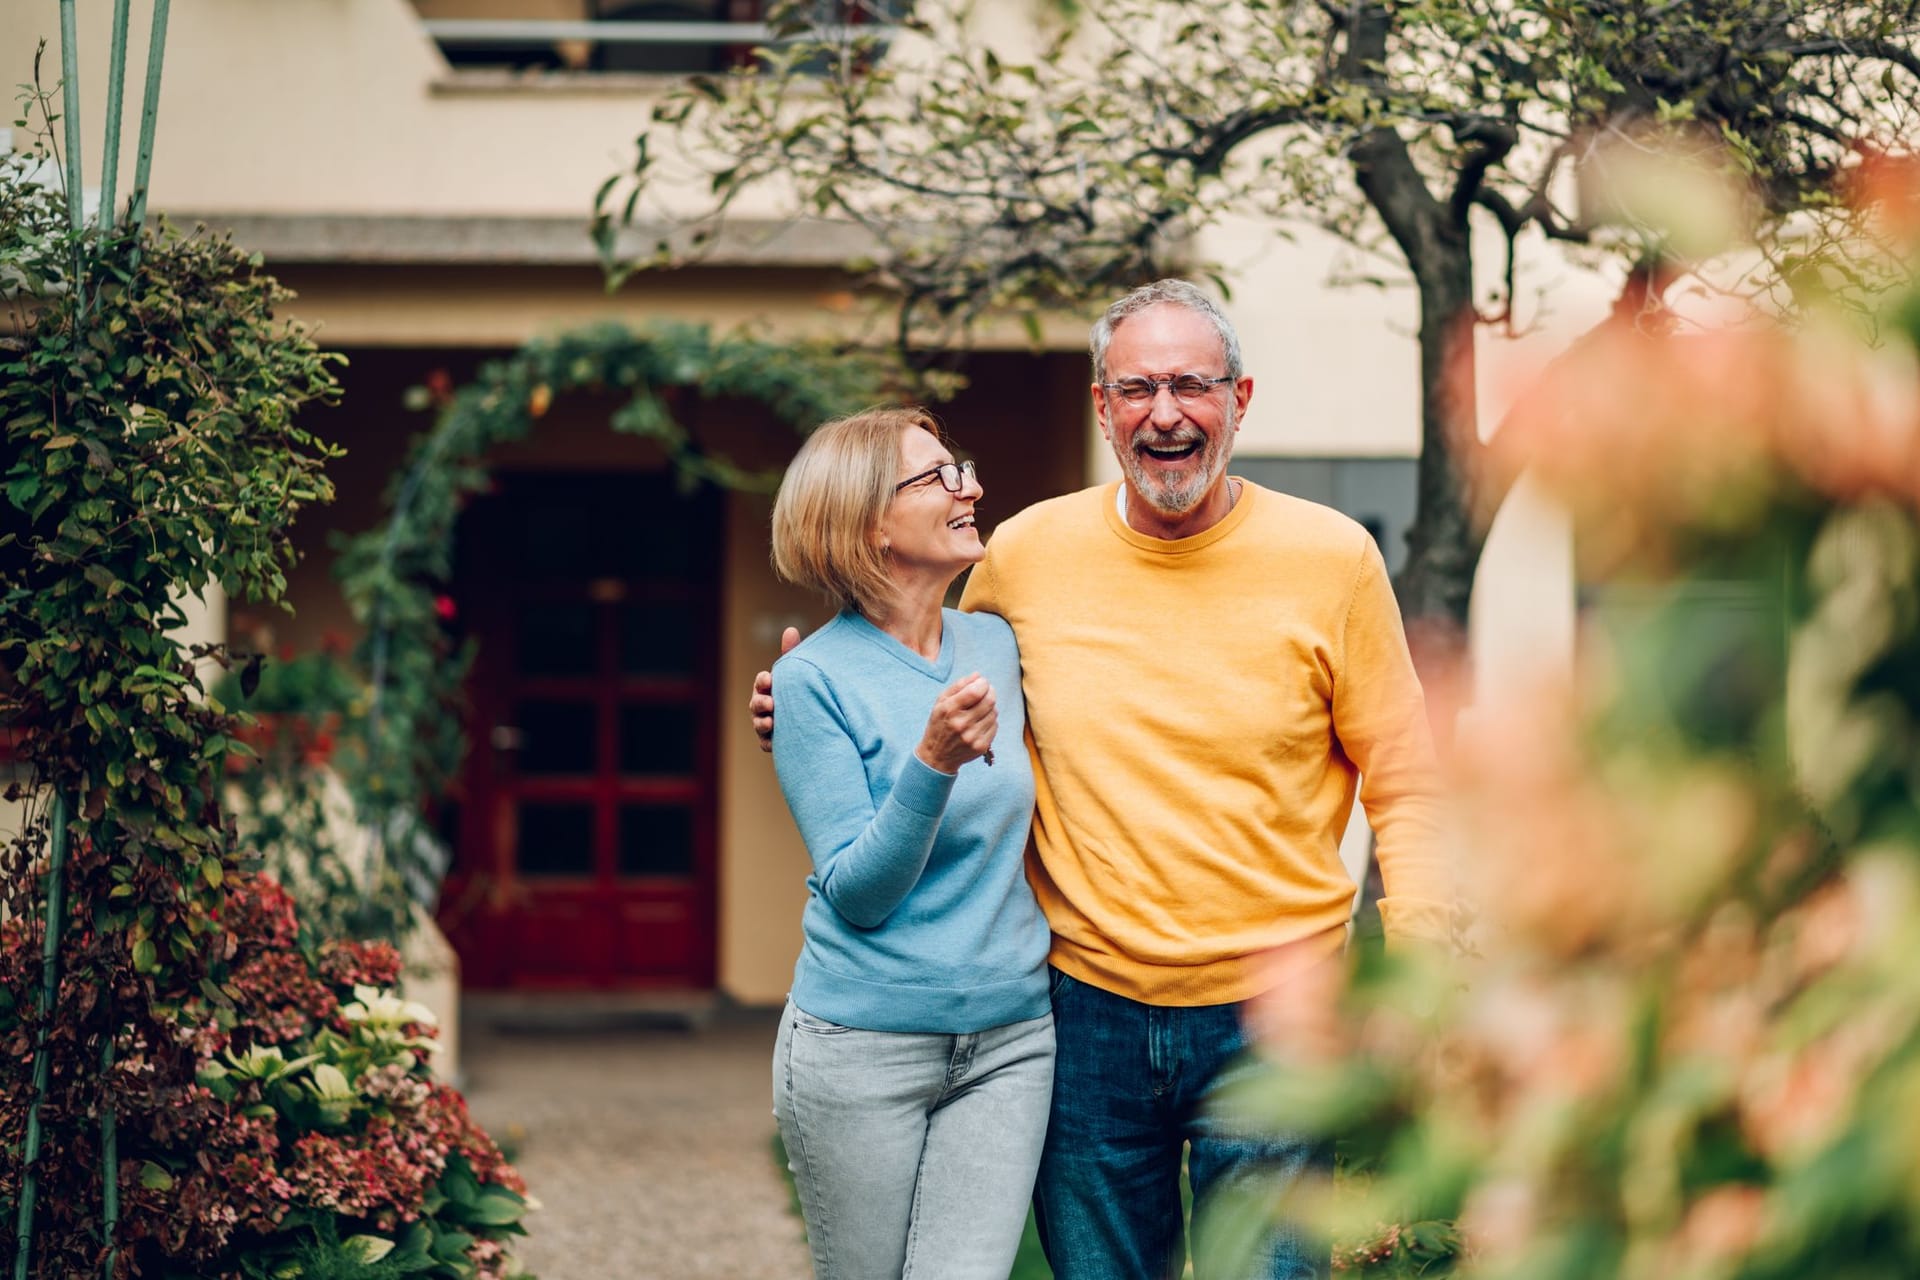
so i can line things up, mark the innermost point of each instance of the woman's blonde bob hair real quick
(826, 519)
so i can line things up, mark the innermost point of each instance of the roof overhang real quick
(423, 239)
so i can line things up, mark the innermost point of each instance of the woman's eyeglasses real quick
(953, 476)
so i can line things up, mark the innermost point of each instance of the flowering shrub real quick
(312, 1118)
(309, 1123)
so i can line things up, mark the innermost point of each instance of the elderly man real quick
(1210, 669)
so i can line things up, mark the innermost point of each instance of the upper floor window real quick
(661, 37)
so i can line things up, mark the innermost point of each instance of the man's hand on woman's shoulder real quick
(761, 704)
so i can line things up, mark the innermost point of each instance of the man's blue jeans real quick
(1131, 1084)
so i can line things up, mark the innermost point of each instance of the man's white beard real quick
(1175, 497)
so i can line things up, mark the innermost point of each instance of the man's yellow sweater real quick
(1198, 713)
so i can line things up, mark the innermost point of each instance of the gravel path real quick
(649, 1150)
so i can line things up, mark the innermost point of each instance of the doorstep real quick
(659, 1010)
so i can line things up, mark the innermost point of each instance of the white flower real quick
(382, 1010)
(329, 1084)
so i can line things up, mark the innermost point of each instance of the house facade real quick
(420, 173)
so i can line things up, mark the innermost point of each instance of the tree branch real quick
(1511, 219)
(1512, 223)
(1871, 47)
(1210, 156)
(1382, 164)
(1821, 127)
(1491, 141)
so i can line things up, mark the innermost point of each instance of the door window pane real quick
(657, 638)
(557, 738)
(656, 739)
(556, 638)
(555, 840)
(549, 528)
(655, 841)
(557, 531)
(669, 557)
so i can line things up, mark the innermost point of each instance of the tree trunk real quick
(1444, 543)
(1443, 546)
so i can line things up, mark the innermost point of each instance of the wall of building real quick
(342, 106)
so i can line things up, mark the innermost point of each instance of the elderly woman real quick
(914, 1062)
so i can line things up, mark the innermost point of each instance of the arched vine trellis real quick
(404, 746)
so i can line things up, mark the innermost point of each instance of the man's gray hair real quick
(1179, 293)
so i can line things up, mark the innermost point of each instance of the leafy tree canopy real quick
(1002, 179)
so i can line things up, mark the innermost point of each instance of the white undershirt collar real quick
(1120, 499)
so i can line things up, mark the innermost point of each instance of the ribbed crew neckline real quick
(1109, 506)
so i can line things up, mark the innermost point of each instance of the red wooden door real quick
(584, 840)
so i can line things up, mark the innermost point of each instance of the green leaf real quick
(155, 1178)
(452, 1245)
(368, 1249)
(459, 1184)
(496, 1209)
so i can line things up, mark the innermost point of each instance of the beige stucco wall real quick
(763, 867)
(332, 106)
(348, 107)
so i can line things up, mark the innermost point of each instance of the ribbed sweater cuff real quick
(922, 788)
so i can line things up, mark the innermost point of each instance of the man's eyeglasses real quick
(953, 476)
(1186, 387)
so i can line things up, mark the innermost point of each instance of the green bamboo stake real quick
(70, 115)
(109, 1123)
(109, 1127)
(70, 104)
(42, 1060)
(116, 86)
(109, 1155)
(149, 113)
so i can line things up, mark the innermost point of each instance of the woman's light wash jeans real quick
(914, 1153)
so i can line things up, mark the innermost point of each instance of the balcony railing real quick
(665, 46)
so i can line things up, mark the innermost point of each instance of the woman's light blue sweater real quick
(918, 916)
